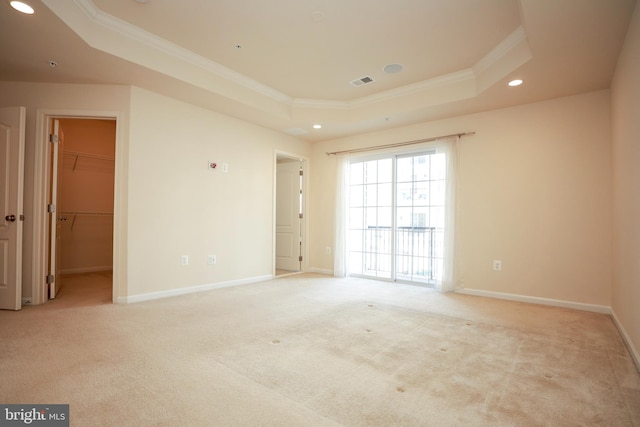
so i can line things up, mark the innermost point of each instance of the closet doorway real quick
(83, 217)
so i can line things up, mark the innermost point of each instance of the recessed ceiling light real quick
(516, 82)
(393, 68)
(317, 126)
(22, 7)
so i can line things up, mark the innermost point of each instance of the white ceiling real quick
(288, 64)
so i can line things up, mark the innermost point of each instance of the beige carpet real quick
(310, 350)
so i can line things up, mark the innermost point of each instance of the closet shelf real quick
(78, 154)
(75, 214)
(86, 213)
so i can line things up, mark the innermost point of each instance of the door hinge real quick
(51, 208)
(50, 279)
(300, 216)
(301, 172)
(21, 217)
(53, 138)
(300, 258)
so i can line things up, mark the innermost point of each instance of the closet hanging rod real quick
(397, 144)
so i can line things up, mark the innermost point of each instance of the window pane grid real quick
(397, 219)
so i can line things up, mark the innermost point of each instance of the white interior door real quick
(288, 216)
(12, 128)
(55, 226)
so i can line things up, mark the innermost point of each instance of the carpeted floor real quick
(311, 350)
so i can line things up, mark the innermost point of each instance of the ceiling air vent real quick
(362, 81)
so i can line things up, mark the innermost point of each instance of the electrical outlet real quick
(211, 260)
(328, 250)
(185, 260)
(225, 167)
(497, 265)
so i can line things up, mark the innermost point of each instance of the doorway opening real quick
(290, 210)
(81, 207)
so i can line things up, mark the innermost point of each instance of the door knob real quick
(10, 218)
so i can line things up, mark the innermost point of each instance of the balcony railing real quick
(415, 250)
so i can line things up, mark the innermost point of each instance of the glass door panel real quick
(396, 226)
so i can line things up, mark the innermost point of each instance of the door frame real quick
(41, 182)
(304, 266)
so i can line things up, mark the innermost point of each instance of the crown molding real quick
(451, 79)
(512, 43)
(321, 104)
(412, 89)
(148, 39)
(117, 37)
(506, 46)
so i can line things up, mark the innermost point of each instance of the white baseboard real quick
(87, 270)
(192, 289)
(627, 340)
(537, 300)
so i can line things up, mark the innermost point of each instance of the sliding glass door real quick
(397, 217)
(371, 218)
(420, 191)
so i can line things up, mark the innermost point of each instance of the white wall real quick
(625, 92)
(166, 202)
(534, 191)
(179, 207)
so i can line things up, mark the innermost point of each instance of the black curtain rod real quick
(398, 144)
